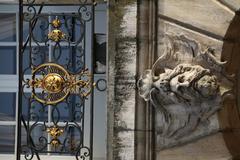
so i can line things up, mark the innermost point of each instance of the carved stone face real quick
(183, 76)
(145, 84)
(189, 81)
(207, 86)
(186, 93)
(186, 82)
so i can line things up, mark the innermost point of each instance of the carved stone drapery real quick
(186, 85)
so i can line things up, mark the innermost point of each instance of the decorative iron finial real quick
(56, 23)
(56, 35)
(55, 132)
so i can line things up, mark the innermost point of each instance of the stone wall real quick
(212, 24)
(195, 27)
(121, 79)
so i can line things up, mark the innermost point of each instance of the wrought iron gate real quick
(53, 80)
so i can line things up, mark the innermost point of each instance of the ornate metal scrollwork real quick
(55, 83)
(55, 132)
(56, 34)
(59, 83)
(83, 153)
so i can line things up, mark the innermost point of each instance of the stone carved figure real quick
(186, 92)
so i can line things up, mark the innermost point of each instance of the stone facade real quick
(121, 79)
(200, 35)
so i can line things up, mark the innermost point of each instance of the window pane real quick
(7, 27)
(36, 109)
(100, 53)
(7, 138)
(39, 56)
(7, 106)
(70, 111)
(25, 30)
(40, 31)
(36, 135)
(7, 60)
(72, 58)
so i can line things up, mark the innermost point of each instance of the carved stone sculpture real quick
(187, 91)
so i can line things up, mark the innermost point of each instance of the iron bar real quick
(92, 94)
(33, 26)
(31, 140)
(20, 78)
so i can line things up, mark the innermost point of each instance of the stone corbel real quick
(186, 85)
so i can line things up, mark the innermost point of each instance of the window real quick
(9, 80)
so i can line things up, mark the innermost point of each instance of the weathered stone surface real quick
(186, 92)
(199, 150)
(167, 27)
(232, 4)
(126, 57)
(123, 149)
(121, 78)
(210, 23)
(206, 15)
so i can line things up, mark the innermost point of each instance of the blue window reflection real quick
(7, 106)
(34, 108)
(7, 139)
(8, 27)
(7, 60)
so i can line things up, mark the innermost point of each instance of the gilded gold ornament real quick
(55, 132)
(55, 83)
(56, 23)
(55, 142)
(56, 35)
